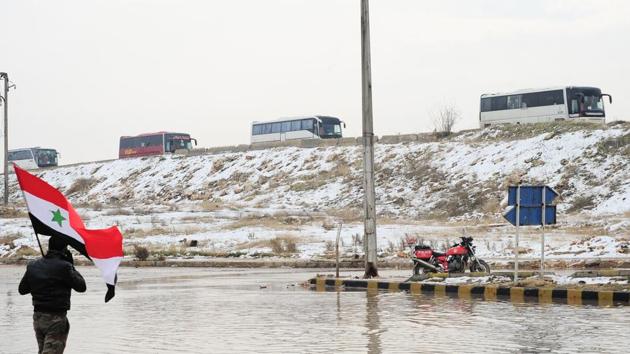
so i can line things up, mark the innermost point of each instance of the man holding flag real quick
(52, 214)
(50, 280)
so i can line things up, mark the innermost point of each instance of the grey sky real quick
(90, 71)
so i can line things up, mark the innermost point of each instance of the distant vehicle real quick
(154, 144)
(32, 158)
(310, 127)
(543, 105)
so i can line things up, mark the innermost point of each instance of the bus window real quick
(486, 104)
(20, 155)
(276, 127)
(286, 127)
(307, 124)
(295, 125)
(514, 102)
(499, 103)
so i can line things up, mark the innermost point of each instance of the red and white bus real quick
(154, 144)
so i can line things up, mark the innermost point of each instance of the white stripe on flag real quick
(108, 267)
(43, 210)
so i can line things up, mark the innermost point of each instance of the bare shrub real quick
(283, 245)
(330, 246)
(581, 203)
(140, 252)
(81, 185)
(328, 225)
(445, 119)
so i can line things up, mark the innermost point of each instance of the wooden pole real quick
(542, 243)
(518, 222)
(5, 100)
(337, 252)
(368, 146)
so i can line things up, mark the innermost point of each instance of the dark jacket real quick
(50, 280)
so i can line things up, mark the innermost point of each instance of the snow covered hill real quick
(464, 175)
(284, 200)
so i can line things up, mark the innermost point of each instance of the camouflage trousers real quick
(51, 331)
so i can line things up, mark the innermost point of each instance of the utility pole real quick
(5, 100)
(368, 146)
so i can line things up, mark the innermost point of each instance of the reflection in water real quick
(372, 322)
(190, 310)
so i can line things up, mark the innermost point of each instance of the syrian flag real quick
(53, 215)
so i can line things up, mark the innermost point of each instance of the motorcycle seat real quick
(438, 254)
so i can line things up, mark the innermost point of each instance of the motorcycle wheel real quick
(482, 267)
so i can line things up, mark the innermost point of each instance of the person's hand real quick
(67, 256)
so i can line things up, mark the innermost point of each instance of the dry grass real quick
(266, 221)
(25, 251)
(211, 205)
(280, 245)
(8, 240)
(80, 185)
(306, 185)
(118, 211)
(132, 232)
(346, 215)
(12, 213)
(582, 203)
(284, 245)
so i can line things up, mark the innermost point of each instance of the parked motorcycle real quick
(455, 260)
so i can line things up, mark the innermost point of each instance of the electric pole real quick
(369, 237)
(5, 100)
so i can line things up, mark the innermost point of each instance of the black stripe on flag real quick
(43, 229)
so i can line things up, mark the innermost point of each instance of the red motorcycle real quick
(455, 260)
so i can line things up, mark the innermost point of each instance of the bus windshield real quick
(330, 130)
(593, 104)
(585, 101)
(46, 157)
(178, 142)
(330, 127)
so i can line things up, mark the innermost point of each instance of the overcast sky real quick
(88, 72)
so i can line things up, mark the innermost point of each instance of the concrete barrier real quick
(483, 292)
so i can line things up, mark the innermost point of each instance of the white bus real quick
(543, 105)
(311, 127)
(32, 158)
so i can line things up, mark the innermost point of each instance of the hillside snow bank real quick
(465, 175)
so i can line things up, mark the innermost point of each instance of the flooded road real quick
(191, 310)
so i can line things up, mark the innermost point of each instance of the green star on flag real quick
(57, 217)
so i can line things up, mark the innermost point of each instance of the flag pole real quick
(39, 243)
(29, 216)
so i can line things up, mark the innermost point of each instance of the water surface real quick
(192, 310)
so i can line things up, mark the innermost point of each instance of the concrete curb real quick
(484, 292)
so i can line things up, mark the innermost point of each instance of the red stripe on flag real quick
(103, 243)
(40, 189)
